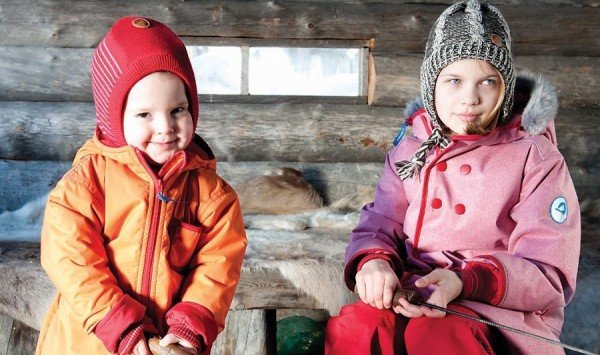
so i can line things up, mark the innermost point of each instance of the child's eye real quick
(143, 115)
(454, 81)
(178, 110)
(489, 82)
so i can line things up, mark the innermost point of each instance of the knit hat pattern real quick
(465, 30)
(133, 48)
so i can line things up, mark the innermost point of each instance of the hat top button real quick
(140, 23)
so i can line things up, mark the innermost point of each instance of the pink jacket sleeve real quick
(380, 229)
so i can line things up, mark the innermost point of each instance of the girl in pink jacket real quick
(475, 211)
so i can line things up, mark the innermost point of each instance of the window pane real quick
(218, 70)
(304, 71)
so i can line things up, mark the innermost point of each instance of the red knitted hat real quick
(133, 48)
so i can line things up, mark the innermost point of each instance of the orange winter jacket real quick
(120, 242)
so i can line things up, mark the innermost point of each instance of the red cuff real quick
(482, 282)
(183, 332)
(135, 333)
(126, 312)
(131, 338)
(194, 318)
(353, 265)
(370, 257)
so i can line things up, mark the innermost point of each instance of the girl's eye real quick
(489, 82)
(454, 81)
(178, 110)
(143, 114)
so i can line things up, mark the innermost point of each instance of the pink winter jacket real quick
(505, 199)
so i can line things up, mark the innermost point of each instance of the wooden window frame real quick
(366, 65)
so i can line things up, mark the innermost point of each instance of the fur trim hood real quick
(535, 101)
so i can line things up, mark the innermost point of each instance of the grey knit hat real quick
(464, 30)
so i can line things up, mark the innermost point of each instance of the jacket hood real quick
(535, 105)
(197, 154)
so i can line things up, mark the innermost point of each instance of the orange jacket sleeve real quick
(74, 257)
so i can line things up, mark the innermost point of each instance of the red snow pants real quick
(361, 329)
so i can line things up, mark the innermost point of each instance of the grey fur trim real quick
(413, 106)
(542, 105)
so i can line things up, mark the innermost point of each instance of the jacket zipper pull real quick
(159, 194)
(164, 198)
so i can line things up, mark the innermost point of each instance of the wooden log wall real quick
(46, 109)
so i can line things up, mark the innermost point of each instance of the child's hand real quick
(173, 339)
(407, 309)
(376, 282)
(447, 287)
(141, 348)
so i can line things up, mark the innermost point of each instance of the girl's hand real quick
(174, 339)
(376, 282)
(141, 348)
(408, 309)
(448, 286)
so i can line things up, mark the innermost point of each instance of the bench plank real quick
(6, 324)
(246, 332)
(23, 339)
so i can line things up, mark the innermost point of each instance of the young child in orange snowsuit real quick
(141, 236)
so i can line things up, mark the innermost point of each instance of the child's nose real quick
(164, 124)
(470, 96)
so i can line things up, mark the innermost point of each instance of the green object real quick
(298, 335)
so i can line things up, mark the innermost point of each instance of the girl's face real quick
(156, 118)
(467, 95)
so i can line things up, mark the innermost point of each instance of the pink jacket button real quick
(442, 166)
(436, 203)
(465, 169)
(459, 208)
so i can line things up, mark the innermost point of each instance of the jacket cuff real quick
(370, 257)
(183, 332)
(352, 266)
(131, 338)
(482, 282)
(124, 313)
(193, 318)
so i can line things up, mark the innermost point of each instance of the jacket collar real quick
(197, 154)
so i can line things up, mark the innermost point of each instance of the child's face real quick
(466, 93)
(156, 118)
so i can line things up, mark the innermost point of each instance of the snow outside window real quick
(278, 70)
(217, 69)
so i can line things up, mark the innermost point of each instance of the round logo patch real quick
(559, 210)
